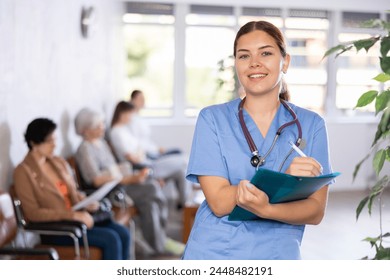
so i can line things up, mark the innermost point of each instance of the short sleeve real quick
(206, 158)
(320, 149)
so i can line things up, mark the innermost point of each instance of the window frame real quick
(180, 12)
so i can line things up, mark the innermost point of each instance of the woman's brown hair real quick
(121, 107)
(272, 31)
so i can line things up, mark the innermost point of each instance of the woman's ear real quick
(286, 63)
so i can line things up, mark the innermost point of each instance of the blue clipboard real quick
(281, 187)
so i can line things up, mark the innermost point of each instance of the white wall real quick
(47, 69)
(349, 142)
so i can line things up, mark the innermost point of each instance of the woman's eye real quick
(244, 56)
(266, 53)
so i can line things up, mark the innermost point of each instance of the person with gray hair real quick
(86, 119)
(98, 166)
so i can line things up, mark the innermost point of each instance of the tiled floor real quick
(338, 237)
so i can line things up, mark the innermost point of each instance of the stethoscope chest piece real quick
(257, 161)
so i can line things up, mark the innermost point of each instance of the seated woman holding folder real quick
(235, 139)
(45, 186)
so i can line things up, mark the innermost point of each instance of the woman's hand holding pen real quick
(252, 199)
(304, 166)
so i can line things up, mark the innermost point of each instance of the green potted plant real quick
(380, 148)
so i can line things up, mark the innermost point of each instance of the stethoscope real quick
(257, 160)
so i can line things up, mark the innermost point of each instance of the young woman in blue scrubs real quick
(220, 159)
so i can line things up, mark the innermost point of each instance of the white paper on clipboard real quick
(96, 195)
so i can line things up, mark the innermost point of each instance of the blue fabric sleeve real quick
(206, 157)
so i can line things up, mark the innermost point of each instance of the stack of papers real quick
(97, 195)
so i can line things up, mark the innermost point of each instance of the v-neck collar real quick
(281, 117)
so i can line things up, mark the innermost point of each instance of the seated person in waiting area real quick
(127, 147)
(141, 130)
(45, 186)
(98, 166)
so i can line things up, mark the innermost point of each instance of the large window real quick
(306, 33)
(149, 42)
(180, 55)
(209, 38)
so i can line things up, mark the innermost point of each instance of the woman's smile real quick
(257, 76)
(259, 63)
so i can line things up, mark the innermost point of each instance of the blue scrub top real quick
(219, 149)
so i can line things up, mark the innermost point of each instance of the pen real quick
(299, 151)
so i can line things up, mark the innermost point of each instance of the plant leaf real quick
(379, 186)
(361, 206)
(376, 190)
(388, 153)
(344, 50)
(365, 43)
(378, 135)
(385, 64)
(379, 160)
(370, 202)
(385, 46)
(385, 124)
(372, 240)
(357, 167)
(366, 98)
(333, 50)
(382, 254)
(383, 127)
(382, 77)
(382, 101)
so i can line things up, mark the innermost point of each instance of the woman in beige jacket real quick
(47, 190)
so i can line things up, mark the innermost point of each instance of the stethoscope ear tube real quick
(257, 160)
(248, 137)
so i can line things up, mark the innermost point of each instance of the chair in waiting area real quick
(122, 215)
(8, 231)
(72, 229)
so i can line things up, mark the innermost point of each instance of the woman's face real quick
(47, 147)
(95, 132)
(139, 101)
(125, 117)
(259, 63)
